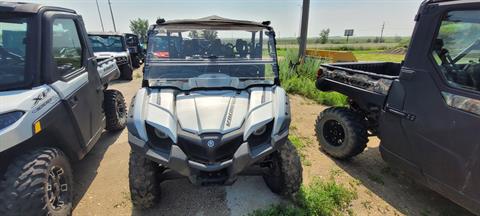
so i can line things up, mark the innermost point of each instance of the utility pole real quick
(100, 15)
(304, 30)
(381, 35)
(113, 19)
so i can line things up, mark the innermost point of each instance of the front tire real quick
(115, 110)
(144, 182)
(38, 183)
(341, 132)
(285, 174)
(127, 72)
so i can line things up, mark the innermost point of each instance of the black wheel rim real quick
(121, 110)
(57, 188)
(333, 133)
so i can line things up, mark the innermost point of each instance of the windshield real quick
(107, 43)
(132, 40)
(13, 37)
(197, 57)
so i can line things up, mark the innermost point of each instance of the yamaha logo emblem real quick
(211, 143)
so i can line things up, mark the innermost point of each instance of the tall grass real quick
(301, 80)
(320, 198)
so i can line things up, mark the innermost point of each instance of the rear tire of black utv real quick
(285, 175)
(341, 132)
(144, 182)
(135, 62)
(126, 72)
(115, 110)
(39, 182)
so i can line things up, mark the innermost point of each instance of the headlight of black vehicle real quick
(8, 119)
(121, 59)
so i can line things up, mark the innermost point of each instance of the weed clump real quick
(320, 198)
(301, 81)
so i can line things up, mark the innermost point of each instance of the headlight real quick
(260, 131)
(160, 134)
(8, 119)
(121, 58)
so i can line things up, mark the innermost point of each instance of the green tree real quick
(194, 34)
(139, 27)
(324, 35)
(209, 35)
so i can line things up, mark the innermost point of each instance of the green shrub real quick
(301, 80)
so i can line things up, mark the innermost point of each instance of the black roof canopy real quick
(454, 1)
(22, 7)
(214, 22)
(106, 34)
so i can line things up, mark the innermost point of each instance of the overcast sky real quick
(365, 16)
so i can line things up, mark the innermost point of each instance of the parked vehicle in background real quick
(426, 111)
(210, 110)
(111, 44)
(54, 106)
(137, 52)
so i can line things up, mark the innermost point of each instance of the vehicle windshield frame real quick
(30, 51)
(122, 38)
(268, 41)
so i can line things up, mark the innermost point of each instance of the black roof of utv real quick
(213, 21)
(441, 1)
(22, 7)
(107, 33)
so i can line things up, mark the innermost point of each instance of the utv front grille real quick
(201, 152)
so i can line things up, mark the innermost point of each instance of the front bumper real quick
(198, 173)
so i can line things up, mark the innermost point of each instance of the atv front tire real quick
(126, 72)
(115, 110)
(341, 132)
(285, 174)
(144, 182)
(37, 183)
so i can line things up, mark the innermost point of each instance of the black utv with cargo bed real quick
(426, 110)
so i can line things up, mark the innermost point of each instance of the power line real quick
(113, 19)
(100, 15)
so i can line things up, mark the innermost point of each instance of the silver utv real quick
(211, 109)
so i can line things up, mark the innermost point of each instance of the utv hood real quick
(206, 112)
(214, 112)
